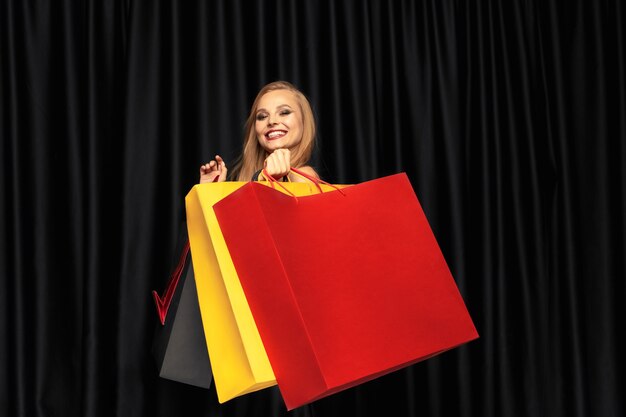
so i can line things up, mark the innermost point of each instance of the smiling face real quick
(278, 121)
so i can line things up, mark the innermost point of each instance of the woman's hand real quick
(278, 164)
(214, 169)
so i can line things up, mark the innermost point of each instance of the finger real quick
(271, 165)
(283, 162)
(221, 162)
(276, 168)
(286, 158)
(284, 153)
(280, 163)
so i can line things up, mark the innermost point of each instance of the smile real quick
(275, 134)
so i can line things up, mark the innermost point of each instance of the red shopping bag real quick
(343, 286)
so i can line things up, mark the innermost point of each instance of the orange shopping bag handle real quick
(273, 181)
(316, 181)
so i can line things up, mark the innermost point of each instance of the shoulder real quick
(309, 171)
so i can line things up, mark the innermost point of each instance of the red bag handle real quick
(316, 181)
(273, 181)
(163, 304)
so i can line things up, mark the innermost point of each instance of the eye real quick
(285, 112)
(261, 116)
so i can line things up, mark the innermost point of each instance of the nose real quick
(271, 121)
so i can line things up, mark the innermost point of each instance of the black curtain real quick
(509, 118)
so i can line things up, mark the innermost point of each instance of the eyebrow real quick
(278, 107)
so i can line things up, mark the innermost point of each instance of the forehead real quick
(277, 98)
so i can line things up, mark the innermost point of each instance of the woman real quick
(280, 134)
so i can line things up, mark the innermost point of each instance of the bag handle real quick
(316, 181)
(273, 181)
(163, 304)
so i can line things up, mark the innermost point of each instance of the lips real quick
(275, 134)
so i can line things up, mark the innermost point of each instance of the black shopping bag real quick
(179, 344)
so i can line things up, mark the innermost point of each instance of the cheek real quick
(295, 124)
(300, 128)
(258, 130)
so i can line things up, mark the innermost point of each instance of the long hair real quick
(253, 154)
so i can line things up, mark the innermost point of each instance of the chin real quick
(273, 145)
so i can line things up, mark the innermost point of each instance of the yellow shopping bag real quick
(238, 359)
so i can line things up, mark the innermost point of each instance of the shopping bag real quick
(239, 362)
(179, 346)
(344, 287)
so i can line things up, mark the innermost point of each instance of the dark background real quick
(509, 118)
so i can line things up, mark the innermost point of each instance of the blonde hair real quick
(253, 155)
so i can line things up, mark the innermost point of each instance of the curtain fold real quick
(509, 119)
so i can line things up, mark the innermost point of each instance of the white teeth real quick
(275, 134)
